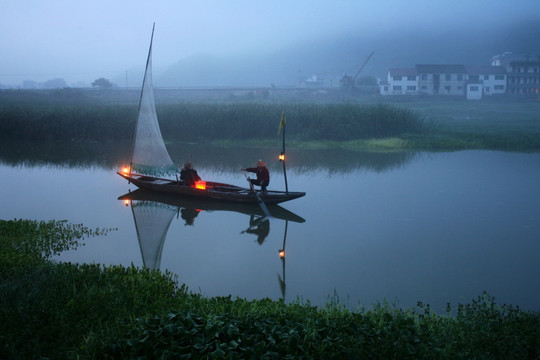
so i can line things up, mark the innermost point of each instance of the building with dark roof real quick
(472, 82)
(441, 79)
(523, 73)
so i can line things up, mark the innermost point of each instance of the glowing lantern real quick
(200, 185)
(281, 253)
(125, 170)
(282, 157)
(126, 202)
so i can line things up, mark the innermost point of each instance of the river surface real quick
(402, 227)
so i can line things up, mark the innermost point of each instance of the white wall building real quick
(486, 81)
(400, 81)
(474, 82)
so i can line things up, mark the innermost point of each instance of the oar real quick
(259, 200)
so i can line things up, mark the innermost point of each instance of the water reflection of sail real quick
(152, 221)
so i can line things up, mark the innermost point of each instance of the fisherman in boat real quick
(189, 175)
(263, 175)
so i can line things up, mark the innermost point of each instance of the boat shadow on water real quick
(154, 212)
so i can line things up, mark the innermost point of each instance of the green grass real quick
(382, 123)
(68, 311)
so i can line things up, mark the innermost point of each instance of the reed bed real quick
(69, 311)
(198, 122)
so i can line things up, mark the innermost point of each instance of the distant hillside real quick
(472, 45)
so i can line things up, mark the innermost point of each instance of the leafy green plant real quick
(62, 310)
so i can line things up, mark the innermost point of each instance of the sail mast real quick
(141, 97)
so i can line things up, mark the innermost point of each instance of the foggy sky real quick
(85, 40)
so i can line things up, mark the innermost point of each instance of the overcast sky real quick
(84, 40)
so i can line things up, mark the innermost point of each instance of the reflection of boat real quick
(153, 213)
(151, 159)
(276, 211)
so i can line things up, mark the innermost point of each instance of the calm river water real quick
(405, 227)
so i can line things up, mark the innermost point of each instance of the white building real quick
(474, 82)
(426, 79)
(401, 81)
(485, 81)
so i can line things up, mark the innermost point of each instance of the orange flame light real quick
(282, 157)
(126, 202)
(125, 170)
(200, 185)
(281, 253)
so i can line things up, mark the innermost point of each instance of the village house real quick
(474, 82)
(512, 74)
(485, 80)
(523, 73)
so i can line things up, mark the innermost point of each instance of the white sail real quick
(149, 156)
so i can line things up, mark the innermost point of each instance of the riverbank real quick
(372, 123)
(60, 310)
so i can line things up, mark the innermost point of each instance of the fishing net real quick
(150, 156)
(152, 221)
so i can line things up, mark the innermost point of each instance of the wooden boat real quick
(210, 190)
(186, 202)
(150, 160)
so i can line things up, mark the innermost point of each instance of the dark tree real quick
(102, 83)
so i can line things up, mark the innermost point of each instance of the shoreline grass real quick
(393, 125)
(69, 311)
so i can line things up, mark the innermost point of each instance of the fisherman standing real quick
(263, 175)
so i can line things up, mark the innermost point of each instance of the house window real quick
(447, 88)
(424, 77)
(499, 77)
(487, 89)
(411, 78)
(499, 87)
(386, 88)
(411, 88)
(396, 87)
(474, 88)
(486, 77)
(397, 78)
(460, 77)
(448, 77)
(424, 87)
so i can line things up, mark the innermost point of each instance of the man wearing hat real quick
(263, 176)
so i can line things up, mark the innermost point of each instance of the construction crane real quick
(348, 81)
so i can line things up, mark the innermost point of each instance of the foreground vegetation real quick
(60, 310)
(420, 124)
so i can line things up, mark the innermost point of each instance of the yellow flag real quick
(281, 122)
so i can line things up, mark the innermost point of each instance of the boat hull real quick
(213, 190)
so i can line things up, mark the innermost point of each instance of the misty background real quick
(252, 43)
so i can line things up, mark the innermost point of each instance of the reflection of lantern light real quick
(282, 157)
(200, 184)
(281, 253)
(126, 202)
